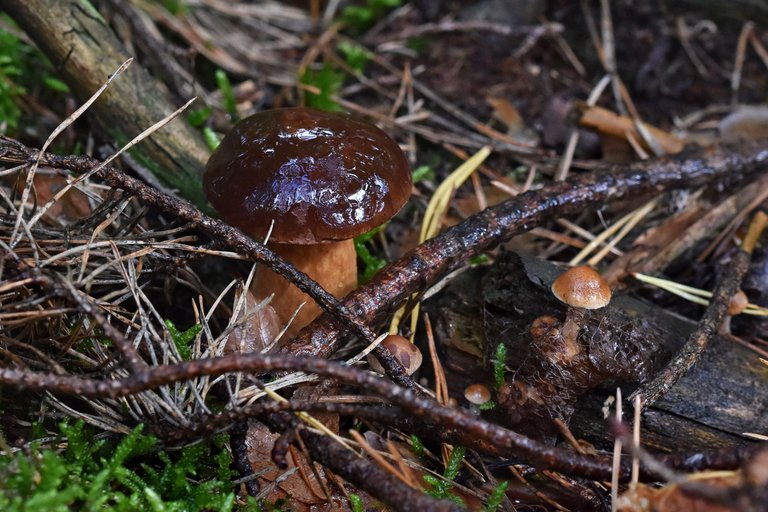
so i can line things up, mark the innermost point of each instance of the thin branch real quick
(707, 328)
(533, 452)
(223, 235)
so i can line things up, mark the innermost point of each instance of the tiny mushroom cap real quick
(477, 394)
(582, 287)
(406, 353)
(319, 176)
(738, 303)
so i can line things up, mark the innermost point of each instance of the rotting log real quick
(714, 405)
(85, 51)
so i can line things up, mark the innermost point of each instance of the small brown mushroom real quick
(477, 394)
(406, 353)
(580, 288)
(547, 339)
(317, 179)
(737, 304)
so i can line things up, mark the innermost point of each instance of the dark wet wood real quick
(719, 400)
(435, 258)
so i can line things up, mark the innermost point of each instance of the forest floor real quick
(142, 370)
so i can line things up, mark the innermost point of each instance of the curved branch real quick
(512, 443)
(223, 234)
(417, 270)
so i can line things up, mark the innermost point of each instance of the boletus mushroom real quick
(580, 288)
(322, 178)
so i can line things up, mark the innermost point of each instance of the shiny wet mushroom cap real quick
(582, 287)
(406, 353)
(477, 394)
(322, 178)
(319, 176)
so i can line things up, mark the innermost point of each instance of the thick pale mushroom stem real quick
(333, 265)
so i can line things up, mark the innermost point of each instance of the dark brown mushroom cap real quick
(582, 287)
(320, 176)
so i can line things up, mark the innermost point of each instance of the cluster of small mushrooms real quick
(307, 182)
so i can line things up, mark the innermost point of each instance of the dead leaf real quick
(72, 206)
(505, 112)
(610, 124)
(304, 494)
(258, 327)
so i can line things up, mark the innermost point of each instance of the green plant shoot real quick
(182, 340)
(440, 487)
(500, 365)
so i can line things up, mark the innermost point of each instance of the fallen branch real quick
(478, 433)
(513, 444)
(425, 265)
(697, 342)
(224, 235)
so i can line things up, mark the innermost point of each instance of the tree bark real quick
(85, 51)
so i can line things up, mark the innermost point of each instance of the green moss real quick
(359, 18)
(183, 340)
(327, 81)
(371, 263)
(227, 94)
(496, 497)
(22, 68)
(500, 365)
(439, 488)
(96, 475)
